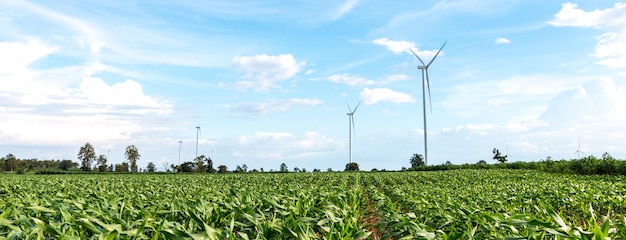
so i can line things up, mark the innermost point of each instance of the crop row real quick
(488, 204)
(463, 204)
(181, 206)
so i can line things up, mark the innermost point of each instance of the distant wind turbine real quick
(197, 135)
(351, 126)
(180, 143)
(425, 81)
(578, 151)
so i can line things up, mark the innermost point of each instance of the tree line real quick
(10, 163)
(589, 165)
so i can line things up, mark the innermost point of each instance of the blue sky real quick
(268, 81)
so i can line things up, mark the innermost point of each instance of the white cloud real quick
(263, 71)
(501, 40)
(611, 46)
(274, 105)
(18, 55)
(372, 96)
(127, 93)
(601, 103)
(26, 128)
(349, 80)
(43, 107)
(396, 47)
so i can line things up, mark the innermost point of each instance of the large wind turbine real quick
(425, 81)
(351, 126)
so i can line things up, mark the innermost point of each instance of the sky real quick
(268, 82)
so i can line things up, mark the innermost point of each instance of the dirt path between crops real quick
(371, 218)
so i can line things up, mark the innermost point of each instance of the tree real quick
(132, 154)
(187, 167)
(352, 167)
(222, 169)
(284, 168)
(607, 156)
(209, 165)
(151, 167)
(86, 155)
(122, 167)
(10, 162)
(482, 162)
(244, 167)
(498, 156)
(102, 163)
(199, 160)
(67, 164)
(417, 160)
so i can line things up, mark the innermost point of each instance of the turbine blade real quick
(418, 58)
(349, 107)
(357, 106)
(430, 102)
(431, 61)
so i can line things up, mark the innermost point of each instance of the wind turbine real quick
(180, 143)
(578, 151)
(351, 126)
(197, 134)
(425, 81)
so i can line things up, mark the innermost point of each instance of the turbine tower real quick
(351, 126)
(197, 134)
(425, 81)
(180, 143)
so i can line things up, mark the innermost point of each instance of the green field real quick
(459, 204)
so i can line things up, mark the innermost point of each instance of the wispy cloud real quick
(273, 105)
(345, 7)
(488, 97)
(353, 80)
(287, 145)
